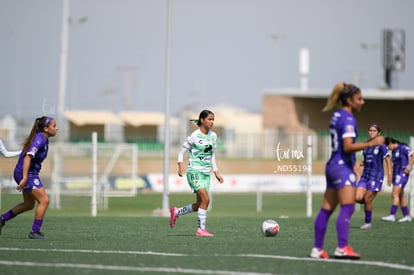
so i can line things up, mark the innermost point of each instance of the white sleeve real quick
(6, 153)
(186, 146)
(181, 154)
(213, 162)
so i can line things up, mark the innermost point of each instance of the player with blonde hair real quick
(345, 99)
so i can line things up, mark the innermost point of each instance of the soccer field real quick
(127, 239)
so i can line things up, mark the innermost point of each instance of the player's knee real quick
(44, 201)
(28, 205)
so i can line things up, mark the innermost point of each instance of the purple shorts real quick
(400, 180)
(339, 176)
(33, 181)
(370, 185)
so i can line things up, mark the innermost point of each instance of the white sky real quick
(222, 51)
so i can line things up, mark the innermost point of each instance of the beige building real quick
(293, 110)
(83, 123)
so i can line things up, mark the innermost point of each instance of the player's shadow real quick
(180, 235)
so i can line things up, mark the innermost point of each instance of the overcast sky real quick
(223, 51)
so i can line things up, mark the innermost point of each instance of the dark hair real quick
(390, 140)
(38, 126)
(376, 126)
(203, 115)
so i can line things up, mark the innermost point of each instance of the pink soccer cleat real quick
(346, 252)
(173, 217)
(203, 233)
(318, 253)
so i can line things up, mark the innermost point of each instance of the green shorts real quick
(198, 180)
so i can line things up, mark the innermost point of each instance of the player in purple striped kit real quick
(340, 170)
(26, 175)
(372, 176)
(401, 168)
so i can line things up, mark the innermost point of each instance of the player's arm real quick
(26, 165)
(388, 166)
(349, 146)
(181, 169)
(215, 169)
(186, 146)
(409, 167)
(6, 153)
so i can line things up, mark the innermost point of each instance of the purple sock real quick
(343, 222)
(37, 224)
(321, 223)
(404, 210)
(368, 216)
(7, 215)
(393, 209)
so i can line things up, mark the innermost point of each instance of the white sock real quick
(202, 216)
(185, 210)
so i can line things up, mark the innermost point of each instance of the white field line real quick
(359, 262)
(130, 268)
(179, 270)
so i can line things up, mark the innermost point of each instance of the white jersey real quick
(6, 153)
(201, 150)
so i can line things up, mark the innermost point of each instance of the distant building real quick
(239, 131)
(292, 111)
(83, 123)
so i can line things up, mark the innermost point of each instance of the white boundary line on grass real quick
(369, 263)
(377, 264)
(131, 268)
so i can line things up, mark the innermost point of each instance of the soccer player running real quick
(26, 175)
(200, 145)
(402, 166)
(340, 170)
(370, 182)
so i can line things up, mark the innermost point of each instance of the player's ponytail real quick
(38, 126)
(339, 96)
(390, 140)
(196, 121)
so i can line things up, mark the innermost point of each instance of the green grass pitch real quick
(127, 239)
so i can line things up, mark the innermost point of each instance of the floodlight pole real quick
(309, 145)
(57, 169)
(165, 196)
(63, 66)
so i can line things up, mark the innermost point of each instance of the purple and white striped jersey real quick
(342, 125)
(400, 158)
(374, 162)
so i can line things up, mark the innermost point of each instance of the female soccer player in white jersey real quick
(200, 145)
(340, 170)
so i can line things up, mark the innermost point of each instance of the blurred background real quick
(122, 68)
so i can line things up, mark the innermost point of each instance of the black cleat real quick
(36, 235)
(2, 223)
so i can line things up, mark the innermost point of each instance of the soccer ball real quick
(270, 228)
